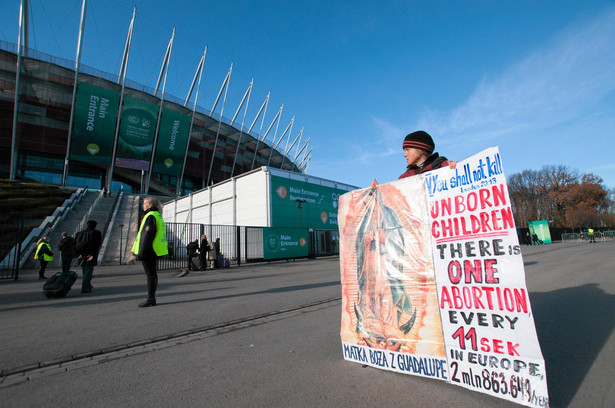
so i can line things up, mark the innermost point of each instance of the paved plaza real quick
(267, 335)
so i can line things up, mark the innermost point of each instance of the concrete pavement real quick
(268, 335)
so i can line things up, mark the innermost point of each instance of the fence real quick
(11, 235)
(240, 244)
(584, 236)
(15, 249)
(229, 239)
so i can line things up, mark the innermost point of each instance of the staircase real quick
(123, 231)
(109, 213)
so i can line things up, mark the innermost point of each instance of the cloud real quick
(563, 80)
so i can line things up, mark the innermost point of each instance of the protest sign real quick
(441, 248)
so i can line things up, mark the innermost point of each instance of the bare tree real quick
(559, 195)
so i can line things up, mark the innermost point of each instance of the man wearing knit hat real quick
(418, 151)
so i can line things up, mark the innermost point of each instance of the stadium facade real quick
(189, 147)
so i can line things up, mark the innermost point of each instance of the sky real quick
(535, 78)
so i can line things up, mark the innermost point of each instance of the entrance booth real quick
(284, 214)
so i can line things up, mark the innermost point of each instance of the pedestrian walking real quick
(67, 251)
(87, 246)
(151, 243)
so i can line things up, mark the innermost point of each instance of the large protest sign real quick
(441, 248)
(390, 316)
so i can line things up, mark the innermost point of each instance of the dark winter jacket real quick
(67, 247)
(88, 243)
(433, 162)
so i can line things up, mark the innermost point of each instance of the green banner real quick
(281, 243)
(171, 144)
(134, 148)
(94, 125)
(303, 205)
(539, 232)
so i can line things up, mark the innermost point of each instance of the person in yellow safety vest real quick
(151, 243)
(590, 232)
(44, 255)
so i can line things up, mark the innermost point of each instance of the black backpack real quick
(81, 241)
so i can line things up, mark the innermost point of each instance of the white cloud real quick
(561, 81)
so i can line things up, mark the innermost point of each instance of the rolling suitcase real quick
(59, 284)
(196, 263)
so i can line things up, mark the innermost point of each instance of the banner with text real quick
(300, 204)
(472, 267)
(282, 243)
(171, 144)
(137, 131)
(96, 112)
(390, 316)
(539, 232)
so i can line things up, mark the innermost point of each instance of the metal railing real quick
(21, 250)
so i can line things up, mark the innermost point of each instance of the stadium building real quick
(72, 125)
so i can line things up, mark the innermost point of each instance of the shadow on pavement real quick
(573, 325)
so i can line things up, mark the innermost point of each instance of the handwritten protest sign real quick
(433, 282)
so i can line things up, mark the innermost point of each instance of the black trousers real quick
(41, 271)
(66, 261)
(203, 260)
(149, 266)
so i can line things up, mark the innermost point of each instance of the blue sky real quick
(536, 78)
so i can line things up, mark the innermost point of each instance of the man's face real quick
(414, 156)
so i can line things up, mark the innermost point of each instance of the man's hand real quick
(452, 164)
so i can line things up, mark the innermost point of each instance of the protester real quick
(420, 157)
(44, 255)
(87, 246)
(151, 243)
(204, 251)
(67, 251)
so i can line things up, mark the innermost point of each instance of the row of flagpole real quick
(302, 166)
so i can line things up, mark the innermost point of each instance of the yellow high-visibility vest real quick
(46, 257)
(160, 239)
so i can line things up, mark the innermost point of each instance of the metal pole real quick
(165, 67)
(213, 153)
(72, 103)
(265, 104)
(249, 93)
(121, 232)
(13, 168)
(290, 125)
(199, 73)
(122, 79)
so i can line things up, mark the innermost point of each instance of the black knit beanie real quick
(420, 140)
